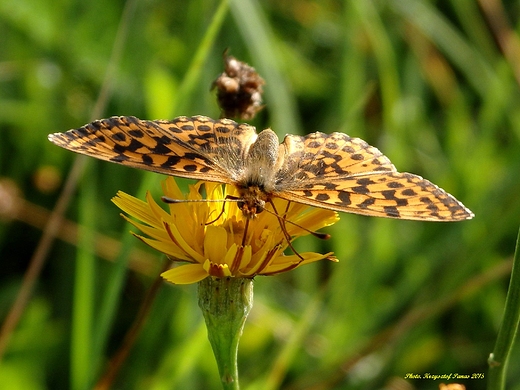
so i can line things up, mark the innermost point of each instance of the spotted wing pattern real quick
(346, 174)
(333, 171)
(196, 147)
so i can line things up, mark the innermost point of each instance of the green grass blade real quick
(259, 37)
(499, 359)
(433, 24)
(368, 16)
(84, 290)
(193, 75)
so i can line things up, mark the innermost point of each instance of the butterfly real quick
(332, 171)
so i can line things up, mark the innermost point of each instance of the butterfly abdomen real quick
(261, 162)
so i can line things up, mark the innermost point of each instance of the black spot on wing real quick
(409, 192)
(366, 203)
(391, 211)
(430, 205)
(118, 137)
(131, 147)
(389, 194)
(314, 144)
(361, 190)
(79, 133)
(171, 162)
(175, 129)
(395, 184)
(147, 159)
(344, 197)
(136, 133)
(322, 197)
(330, 186)
(119, 158)
(365, 181)
(223, 129)
(160, 147)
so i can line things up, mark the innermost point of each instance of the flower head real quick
(209, 236)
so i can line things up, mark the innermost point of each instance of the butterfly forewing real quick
(197, 147)
(346, 174)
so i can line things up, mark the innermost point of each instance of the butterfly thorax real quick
(258, 180)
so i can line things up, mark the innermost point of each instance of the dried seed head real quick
(239, 89)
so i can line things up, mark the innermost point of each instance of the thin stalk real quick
(84, 292)
(499, 359)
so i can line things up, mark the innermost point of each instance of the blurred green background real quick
(433, 84)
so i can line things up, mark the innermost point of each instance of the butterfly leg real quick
(227, 198)
(282, 220)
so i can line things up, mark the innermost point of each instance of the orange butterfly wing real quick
(196, 148)
(342, 173)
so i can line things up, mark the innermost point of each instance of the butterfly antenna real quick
(167, 199)
(228, 198)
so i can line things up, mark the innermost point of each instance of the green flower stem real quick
(499, 359)
(225, 304)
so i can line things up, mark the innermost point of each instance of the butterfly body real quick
(332, 171)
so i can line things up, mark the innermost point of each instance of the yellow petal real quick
(136, 208)
(215, 243)
(153, 232)
(177, 238)
(229, 258)
(285, 263)
(166, 247)
(171, 189)
(160, 214)
(185, 274)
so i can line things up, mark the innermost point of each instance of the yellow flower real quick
(213, 245)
